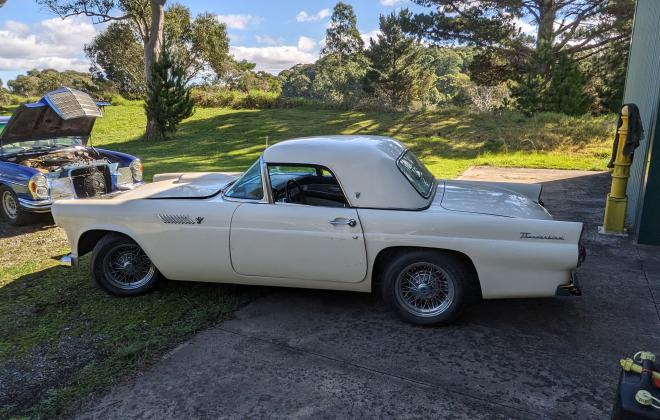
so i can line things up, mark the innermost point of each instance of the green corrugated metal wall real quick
(643, 89)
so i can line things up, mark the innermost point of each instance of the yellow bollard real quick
(617, 201)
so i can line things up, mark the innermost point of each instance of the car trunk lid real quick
(487, 199)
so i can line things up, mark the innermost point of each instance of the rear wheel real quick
(426, 287)
(122, 268)
(11, 211)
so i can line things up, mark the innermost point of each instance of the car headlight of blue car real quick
(38, 187)
(137, 170)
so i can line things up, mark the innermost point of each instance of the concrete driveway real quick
(316, 354)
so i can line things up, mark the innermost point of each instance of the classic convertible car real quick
(44, 157)
(340, 212)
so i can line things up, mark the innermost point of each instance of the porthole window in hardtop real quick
(305, 184)
(415, 171)
(249, 186)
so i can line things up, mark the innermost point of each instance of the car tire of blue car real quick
(121, 267)
(426, 287)
(11, 211)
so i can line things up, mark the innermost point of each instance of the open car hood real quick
(63, 112)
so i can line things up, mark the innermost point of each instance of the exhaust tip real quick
(68, 261)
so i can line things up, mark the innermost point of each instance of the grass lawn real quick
(449, 141)
(62, 340)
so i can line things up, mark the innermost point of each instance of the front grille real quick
(91, 181)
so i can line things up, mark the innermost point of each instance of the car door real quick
(298, 241)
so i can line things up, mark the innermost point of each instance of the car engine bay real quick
(60, 160)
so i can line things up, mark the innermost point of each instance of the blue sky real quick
(274, 34)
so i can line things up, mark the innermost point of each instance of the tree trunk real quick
(152, 48)
(545, 35)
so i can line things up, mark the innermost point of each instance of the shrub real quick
(258, 99)
(168, 98)
(213, 97)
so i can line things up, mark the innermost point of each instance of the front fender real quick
(75, 217)
(16, 177)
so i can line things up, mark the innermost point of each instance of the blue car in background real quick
(45, 156)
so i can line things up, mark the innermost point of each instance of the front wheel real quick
(122, 268)
(11, 211)
(427, 287)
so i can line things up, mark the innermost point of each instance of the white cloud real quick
(390, 3)
(239, 21)
(526, 27)
(17, 27)
(269, 40)
(306, 44)
(303, 16)
(273, 59)
(52, 43)
(366, 36)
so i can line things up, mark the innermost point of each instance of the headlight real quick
(38, 186)
(137, 169)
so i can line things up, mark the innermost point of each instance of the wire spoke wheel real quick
(424, 289)
(127, 267)
(9, 205)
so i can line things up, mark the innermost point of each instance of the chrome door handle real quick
(340, 221)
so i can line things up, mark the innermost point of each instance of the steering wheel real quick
(290, 185)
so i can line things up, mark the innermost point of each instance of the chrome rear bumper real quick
(570, 289)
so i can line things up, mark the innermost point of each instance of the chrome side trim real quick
(7, 181)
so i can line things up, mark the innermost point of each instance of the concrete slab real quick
(311, 354)
(521, 175)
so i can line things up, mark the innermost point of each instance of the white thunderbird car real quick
(354, 213)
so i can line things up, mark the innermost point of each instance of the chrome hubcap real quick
(9, 205)
(128, 267)
(424, 289)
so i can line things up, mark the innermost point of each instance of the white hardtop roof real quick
(365, 166)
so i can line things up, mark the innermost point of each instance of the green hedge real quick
(254, 99)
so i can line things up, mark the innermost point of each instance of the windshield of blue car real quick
(417, 174)
(40, 145)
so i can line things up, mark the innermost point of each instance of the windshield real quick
(248, 186)
(23, 146)
(415, 171)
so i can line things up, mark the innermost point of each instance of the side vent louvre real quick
(177, 219)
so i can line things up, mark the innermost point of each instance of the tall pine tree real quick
(168, 98)
(566, 90)
(397, 71)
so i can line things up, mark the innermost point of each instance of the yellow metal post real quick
(617, 201)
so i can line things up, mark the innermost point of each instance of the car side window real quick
(312, 185)
(248, 186)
